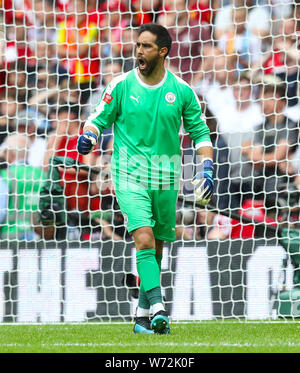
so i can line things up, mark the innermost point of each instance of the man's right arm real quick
(103, 117)
(87, 141)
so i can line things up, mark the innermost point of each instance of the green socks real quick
(149, 267)
(154, 296)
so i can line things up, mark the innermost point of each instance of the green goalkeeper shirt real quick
(146, 123)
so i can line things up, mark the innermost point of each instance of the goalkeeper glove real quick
(204, 182)
(86, 142)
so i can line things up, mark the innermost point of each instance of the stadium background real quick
(65, 255)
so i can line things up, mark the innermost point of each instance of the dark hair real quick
(163, 38)
(69, 108)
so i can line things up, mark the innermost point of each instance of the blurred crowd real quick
(56, 56)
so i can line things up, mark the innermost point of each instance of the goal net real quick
(65, 252)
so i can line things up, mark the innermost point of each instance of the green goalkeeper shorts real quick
(149, 208)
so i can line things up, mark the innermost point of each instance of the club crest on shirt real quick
(170, 97)
(107, 98)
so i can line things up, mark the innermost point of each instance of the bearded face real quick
(147, 53)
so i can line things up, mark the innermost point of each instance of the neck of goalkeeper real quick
(156, 75)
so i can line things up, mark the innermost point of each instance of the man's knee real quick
(144, 238)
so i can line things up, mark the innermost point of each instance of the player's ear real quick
(163, 52)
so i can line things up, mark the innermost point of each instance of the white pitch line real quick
(147, 344)
(174, 344)
(173, 322)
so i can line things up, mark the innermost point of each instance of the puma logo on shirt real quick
(135, 98)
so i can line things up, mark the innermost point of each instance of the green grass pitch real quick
(211, 336)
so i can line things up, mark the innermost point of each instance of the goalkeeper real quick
(146, 106)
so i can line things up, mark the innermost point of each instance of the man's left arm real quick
(194, 123)
(203, 180)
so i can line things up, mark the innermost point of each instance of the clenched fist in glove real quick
(86, 142)
(204, 182)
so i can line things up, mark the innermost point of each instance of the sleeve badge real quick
(107, 98)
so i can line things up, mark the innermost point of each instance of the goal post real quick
(66, 255)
